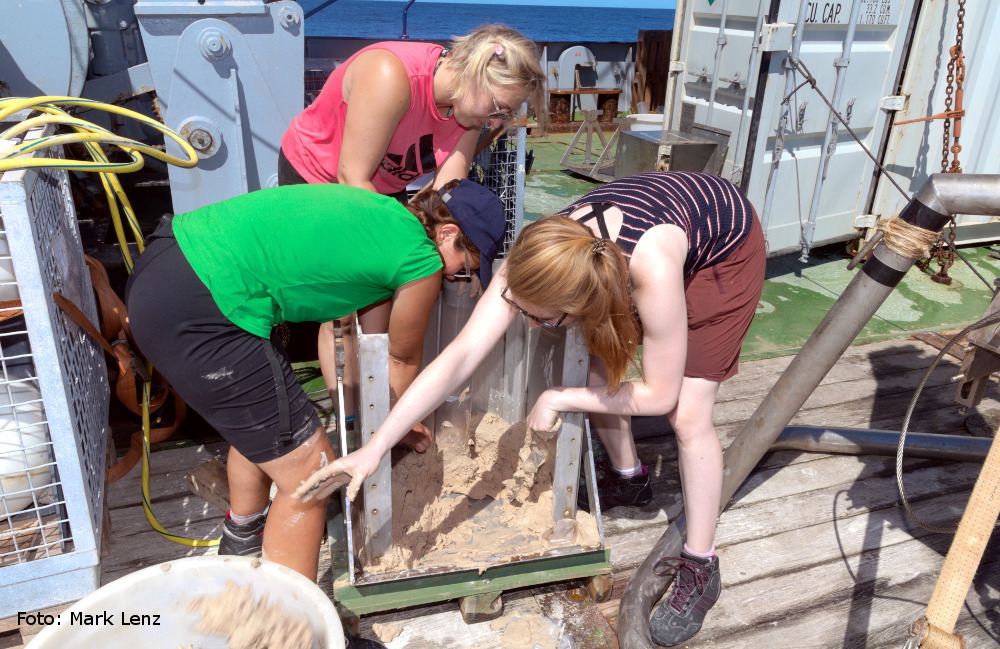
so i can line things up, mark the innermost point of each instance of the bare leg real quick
(294, 530)
(614, 431)
(699, 456)
(249, 486)
(326, 349)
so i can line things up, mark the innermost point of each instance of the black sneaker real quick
(243, 540)
(697, 585)
(615, 489)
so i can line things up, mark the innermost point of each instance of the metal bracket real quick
(982, 359)
(777, 37)
(893, 102)
(863, 221)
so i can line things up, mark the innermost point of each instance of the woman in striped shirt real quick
(671, 260)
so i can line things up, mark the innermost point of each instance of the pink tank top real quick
(421, 142)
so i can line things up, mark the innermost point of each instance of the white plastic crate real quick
(54, 399)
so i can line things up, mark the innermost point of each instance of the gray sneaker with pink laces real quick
(697, 586)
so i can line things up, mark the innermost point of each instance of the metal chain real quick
(956, 78)
(943, 251)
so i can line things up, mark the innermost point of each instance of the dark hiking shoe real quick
(242, 540)
(697, 585)
(615, 490)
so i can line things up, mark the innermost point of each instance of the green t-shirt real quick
(303, 253)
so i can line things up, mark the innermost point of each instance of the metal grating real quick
(54, 399)
(500, 168)
(64, 270)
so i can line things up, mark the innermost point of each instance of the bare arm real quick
(377, 92)
(658, 290)
(454, 365)
(411, 311)
(456, 166)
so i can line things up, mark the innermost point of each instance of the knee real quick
(289, 471)
(691, 427)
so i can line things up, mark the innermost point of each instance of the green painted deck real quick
(796, 295)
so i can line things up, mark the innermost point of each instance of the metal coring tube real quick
(930, 209)
(862, 441)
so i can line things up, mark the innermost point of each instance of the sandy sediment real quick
(478, 497)
(250, 623)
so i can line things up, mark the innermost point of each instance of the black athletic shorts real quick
(232, 378)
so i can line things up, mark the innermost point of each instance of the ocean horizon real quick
(439, 21)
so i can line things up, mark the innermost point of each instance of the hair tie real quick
(598, 246)
(498, 49)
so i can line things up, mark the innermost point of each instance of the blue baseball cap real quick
(480, 215)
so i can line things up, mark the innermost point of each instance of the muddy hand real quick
(547, 434)
(326, 480)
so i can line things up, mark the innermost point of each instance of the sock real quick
(241, 519)
(704, 556)
(628, 473)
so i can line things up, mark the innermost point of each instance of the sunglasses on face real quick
(467, 270)
(499, 113)
(541, 322)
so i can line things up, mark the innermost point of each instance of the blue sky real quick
(624, 4)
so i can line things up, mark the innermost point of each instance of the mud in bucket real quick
(152, 608)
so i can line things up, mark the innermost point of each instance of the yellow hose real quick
(91, 136)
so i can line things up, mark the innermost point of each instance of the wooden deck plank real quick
(815, 550)
(874, 613)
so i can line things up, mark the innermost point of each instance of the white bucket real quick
(25, 452)
(158, 597)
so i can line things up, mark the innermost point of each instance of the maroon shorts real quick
(721, 302)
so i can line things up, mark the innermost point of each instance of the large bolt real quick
(200, 139)
(288, 17)
(213, 44)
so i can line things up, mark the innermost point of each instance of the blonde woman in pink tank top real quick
(398, 110)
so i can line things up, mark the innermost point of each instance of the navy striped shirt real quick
(713, 212)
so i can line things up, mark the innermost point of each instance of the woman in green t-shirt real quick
(212, 283)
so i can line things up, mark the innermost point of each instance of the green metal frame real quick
(363, 599)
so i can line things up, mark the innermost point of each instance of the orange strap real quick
(132, 372)
(10, 308)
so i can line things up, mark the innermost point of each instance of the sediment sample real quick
(476, 498)
(249, 623)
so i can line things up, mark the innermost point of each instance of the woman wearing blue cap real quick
(213, 282)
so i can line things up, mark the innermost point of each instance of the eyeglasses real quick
(541, 322)
(499, 113)
(467, 271)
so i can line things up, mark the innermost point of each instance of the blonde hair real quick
(495, 56)
(559, 264)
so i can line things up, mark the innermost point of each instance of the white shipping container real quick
(875, 61)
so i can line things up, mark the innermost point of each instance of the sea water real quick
(439, 21)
